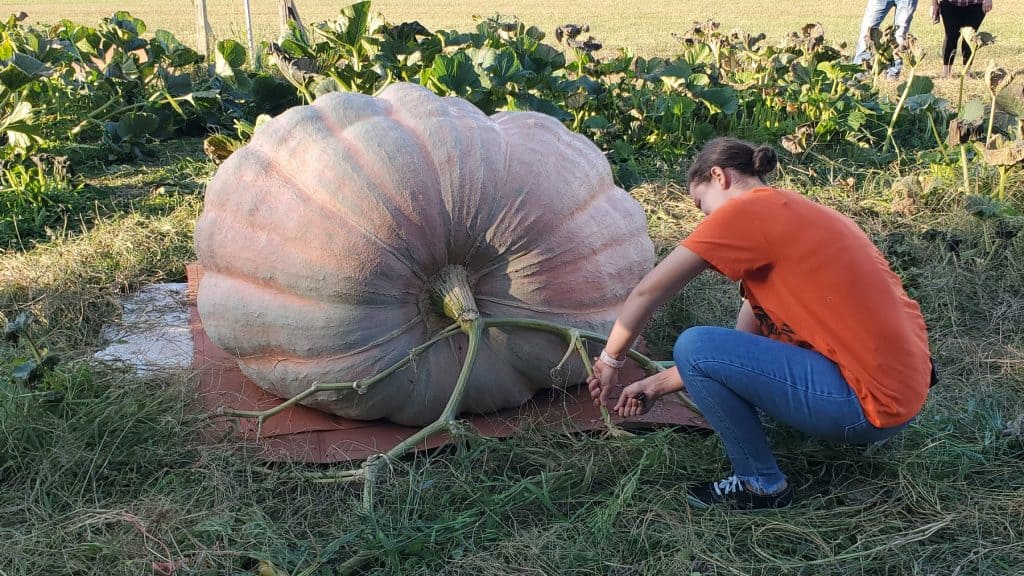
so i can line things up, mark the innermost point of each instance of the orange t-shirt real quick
(814, 279)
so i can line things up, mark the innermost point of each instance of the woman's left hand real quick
(986, 6)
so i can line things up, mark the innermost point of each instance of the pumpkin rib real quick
(287, 175)
(360, 157)
(400, 296)
(421, 143)
(225, 301)
(289, 292)
(296, 358)
(475, 123)
(539, 309)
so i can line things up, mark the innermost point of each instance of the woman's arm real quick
(746, 321)
(669, 277)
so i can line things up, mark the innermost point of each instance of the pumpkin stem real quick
(451, 295)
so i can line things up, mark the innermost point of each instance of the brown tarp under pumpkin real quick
(307, 435)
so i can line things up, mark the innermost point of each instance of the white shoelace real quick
(728, 486)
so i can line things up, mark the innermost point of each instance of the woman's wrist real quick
(612, 361)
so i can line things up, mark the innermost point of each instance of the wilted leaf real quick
(1006, 155)
(27, 372)
(16, 327)
(218, 147)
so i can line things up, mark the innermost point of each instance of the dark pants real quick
(953, 19)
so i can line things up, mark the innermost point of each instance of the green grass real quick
(118, 476)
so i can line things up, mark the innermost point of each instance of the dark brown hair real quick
(726, 152)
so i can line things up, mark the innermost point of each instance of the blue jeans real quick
(874, 13)
(731, 375)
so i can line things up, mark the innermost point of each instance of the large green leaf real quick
(505, 69)
(21, 70)
(919, 85)
(354, 25)
(229, 57)
(721, 99)
(533, 103)
(136, 126)
(454, 75)
(21, 132)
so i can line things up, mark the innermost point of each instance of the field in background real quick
(644, 27)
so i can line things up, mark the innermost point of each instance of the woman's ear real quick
(720, 177)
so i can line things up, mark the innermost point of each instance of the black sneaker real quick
(731, 493)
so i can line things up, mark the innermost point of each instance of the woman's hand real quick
(640, 396)
(601, 383)
(636, 399)
(935, 12)
(986, 6)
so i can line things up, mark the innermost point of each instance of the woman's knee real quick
(695, 342)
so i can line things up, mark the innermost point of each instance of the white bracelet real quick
(607, 359)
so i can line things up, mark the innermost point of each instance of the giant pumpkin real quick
(331, 240)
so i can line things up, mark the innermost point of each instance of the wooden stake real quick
(203, 30)
(248, 29)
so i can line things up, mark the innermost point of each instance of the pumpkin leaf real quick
(973, 110)
(986, 208)
(596, 123)
(1008, 154)
(454, 75)
(27, 372)
(720, 100)
(921, 102)
(229, 57)
(919, 85)
(505, 69)
(15, 328)
(20, 128)
(21, 70)
(528, 101)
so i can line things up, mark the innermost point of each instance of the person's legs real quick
(731, 375)
(951, 26)
(970, 17)
(874, 13)
(904, 16)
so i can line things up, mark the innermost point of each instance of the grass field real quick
(119, 477)
(644, 27)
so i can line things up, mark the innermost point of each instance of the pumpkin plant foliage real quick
(352, 231)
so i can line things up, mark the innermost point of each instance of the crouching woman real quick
(827, 340)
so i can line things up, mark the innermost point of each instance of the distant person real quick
(957, 14)
(874, 13)
(827, 340)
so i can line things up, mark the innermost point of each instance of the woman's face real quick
(708, 195)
